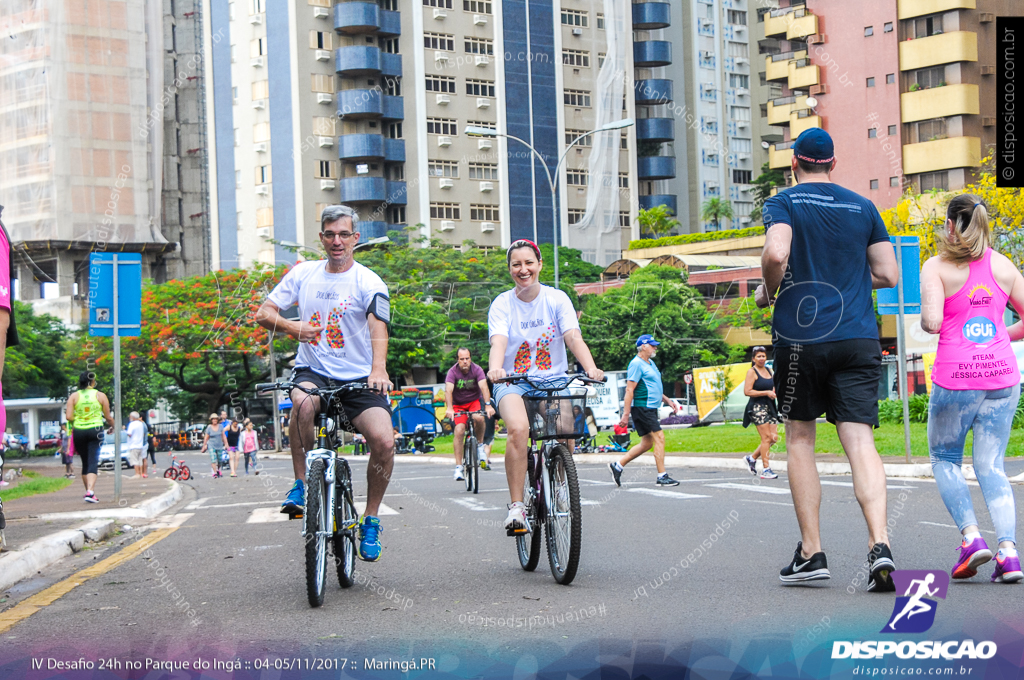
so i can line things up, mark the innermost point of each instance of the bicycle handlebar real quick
(264, 388)
(523, 377)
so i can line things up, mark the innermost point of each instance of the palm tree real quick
(714, 210)
(656, 221)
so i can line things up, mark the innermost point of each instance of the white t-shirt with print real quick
(534, 330)
(338, 303)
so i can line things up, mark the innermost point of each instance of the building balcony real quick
(780, 155)
(356, 104)
(776, 66)
(391, 64)
(652, 53)
(778, 114)
(648, 16)
(908, 9)
(656, 167)
(655, 129)
(944, 48)
(942, 154)
(802, 120)
(361, 147)
(364, 17)
(396, 193)
(394, 150)
(363, 189)
(803, 74)
(394, 108)
(656, 91)
(372, 229)
(363, 60)
(940, 102)
(801, 25)
(653, 201)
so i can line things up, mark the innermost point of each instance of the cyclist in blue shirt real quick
(644, 394)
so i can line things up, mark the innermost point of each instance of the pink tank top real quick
(974, 348)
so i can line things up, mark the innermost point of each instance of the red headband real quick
(521, 243)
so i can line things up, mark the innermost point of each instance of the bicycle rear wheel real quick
(184, 474)
(347, 525)
(528, 545)
(171, 473)
(316, 523)
(563, 527)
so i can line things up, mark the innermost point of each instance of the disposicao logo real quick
(979, 330)
(914, 612)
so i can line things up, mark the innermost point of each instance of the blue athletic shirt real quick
(826, 292)
(648, 383)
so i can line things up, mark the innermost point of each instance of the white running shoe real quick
(458, 474)
(516, 520)
(768, 474)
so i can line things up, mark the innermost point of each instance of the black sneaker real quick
(881, 565)
(814, 568)
(616, 473)
(665, 480)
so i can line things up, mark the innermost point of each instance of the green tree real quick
(36, 367)
(715, 210)
(763, 185)
(723, 388)
(656, 221)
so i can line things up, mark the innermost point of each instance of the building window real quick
(741, 176)
(874, 184)
(570, 135)
(320, 82)
(443, 4)
(263, 174)
(396, 215)
(890, 78)
(887, 27)
(892, 130)
(390, 5)
(327, 169)
(872, 132)
(934, 180)
(395, 131)
(484, 213)
(479, 46)
(709, 125)
(624, 143)
(739, 113)
(261, 132)
(258, 47)
(600, 59)
(576, 58)
(389, 45)
(736, 17)
(600, 21)
(578, 98)
(480, 88)
(234, 95)
(324, 126)
(442, 126)
(931, 130)
(439, 41)
(264, 217)
(260, 90)
(575, 216)
(440, 84)
(238, 179)
(476, 6)
(869, 31)
(482, 124)
(739, 80)
(576, 178)
(394, 172)
(572, 17)
(894, 181)
(321, 40)
(871, 82)
(623, 180)
(709, 158)
(321, 3)
(257, 6)
(483, 171)
(443, 169)
(624, 219)
(926, 26)
(445, 211)
(929, 77)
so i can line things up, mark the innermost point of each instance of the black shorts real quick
(645, 420)
(839, 379)
(352, 403)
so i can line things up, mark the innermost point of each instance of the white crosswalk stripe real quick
(473, 504)
(666, 494)
(751, 487)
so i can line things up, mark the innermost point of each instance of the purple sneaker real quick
(1007, 571)
(972, 556)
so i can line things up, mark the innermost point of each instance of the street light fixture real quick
(479, 131)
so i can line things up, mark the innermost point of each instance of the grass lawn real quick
(35, 484)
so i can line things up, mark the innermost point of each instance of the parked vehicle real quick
(107, 452)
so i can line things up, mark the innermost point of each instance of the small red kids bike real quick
(178, 470)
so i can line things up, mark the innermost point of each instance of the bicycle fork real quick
(329, 492)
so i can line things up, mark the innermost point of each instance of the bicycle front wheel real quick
(474, 471)
(468, 460)
(563, 525)
(184, 474)
(528, 545)
(347, 526)
(316, 525)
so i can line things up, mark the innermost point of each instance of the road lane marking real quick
(266, 515)
(952, 526)
(172, 522)
(473, 504)
(748, 487)
(754, 500)
(197, 503)
(30, 606)
(236, 505)
(383, 510)
(666, 494)
(829, 482)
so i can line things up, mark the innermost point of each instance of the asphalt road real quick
(675, 567)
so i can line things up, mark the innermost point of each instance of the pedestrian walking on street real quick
(137, 444)
(250, 445)
(67, 452)
(232, 433)
(828, 246)
(86, 411)
(975, 380)
(215, 441)
(761, 411)
(644, 395)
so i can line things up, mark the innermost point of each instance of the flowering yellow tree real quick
(922, 215)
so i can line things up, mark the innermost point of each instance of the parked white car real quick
(107, 452)
(664, 411)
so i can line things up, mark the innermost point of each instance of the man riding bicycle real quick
(465, 388)
(342, 329)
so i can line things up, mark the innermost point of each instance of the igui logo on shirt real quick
(980, 295)
(979, 330)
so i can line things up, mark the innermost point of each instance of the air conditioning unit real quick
(742, 60)
(326, 184)
(742, 91)
(440, 13)
(487, 227)
(481, 60)
(577, 31)
(819, 89)
(256, 19)
(444, 141)
(441, 57)
(483, 144)
(325, 141)
(260, 147)
(486, 187)
(321, 12)
(443, 99)
(263, 232)
(263, 190)
(259, 104)
(257, 62)
(446, 183)
(742, 156)
(479, 20)
(447, 225)
(323, 55)
(986, 17)
(743, 123)
(988, 70)
(483, 103)
(324, 98)
(988, 121)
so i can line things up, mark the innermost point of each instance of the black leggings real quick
(87, 445)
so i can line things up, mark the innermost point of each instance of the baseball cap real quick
(814, 145)
(647, 339)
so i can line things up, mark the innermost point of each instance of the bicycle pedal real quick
(517, 532)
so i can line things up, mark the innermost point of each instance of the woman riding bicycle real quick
(529, 328)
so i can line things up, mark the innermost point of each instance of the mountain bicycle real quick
(329, 518)
(551, 490)
(178, 470)
(470, 452)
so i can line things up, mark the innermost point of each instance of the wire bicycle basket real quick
(552, 414)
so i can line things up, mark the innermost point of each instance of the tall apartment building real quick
(367, 103)
(712, 73)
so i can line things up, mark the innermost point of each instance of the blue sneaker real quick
(295, 500)
(369, 539)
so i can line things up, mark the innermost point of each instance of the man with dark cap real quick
(826, 249)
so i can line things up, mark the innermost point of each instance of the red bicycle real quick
(178, 470)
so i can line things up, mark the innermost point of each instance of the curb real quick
(39, 554)
(144, 510)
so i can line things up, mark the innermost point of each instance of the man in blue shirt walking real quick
(644, 394)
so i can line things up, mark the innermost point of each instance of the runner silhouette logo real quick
(914, 611)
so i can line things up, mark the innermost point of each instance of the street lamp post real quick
(478, 131)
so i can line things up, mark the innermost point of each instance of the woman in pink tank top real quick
(975, 379)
